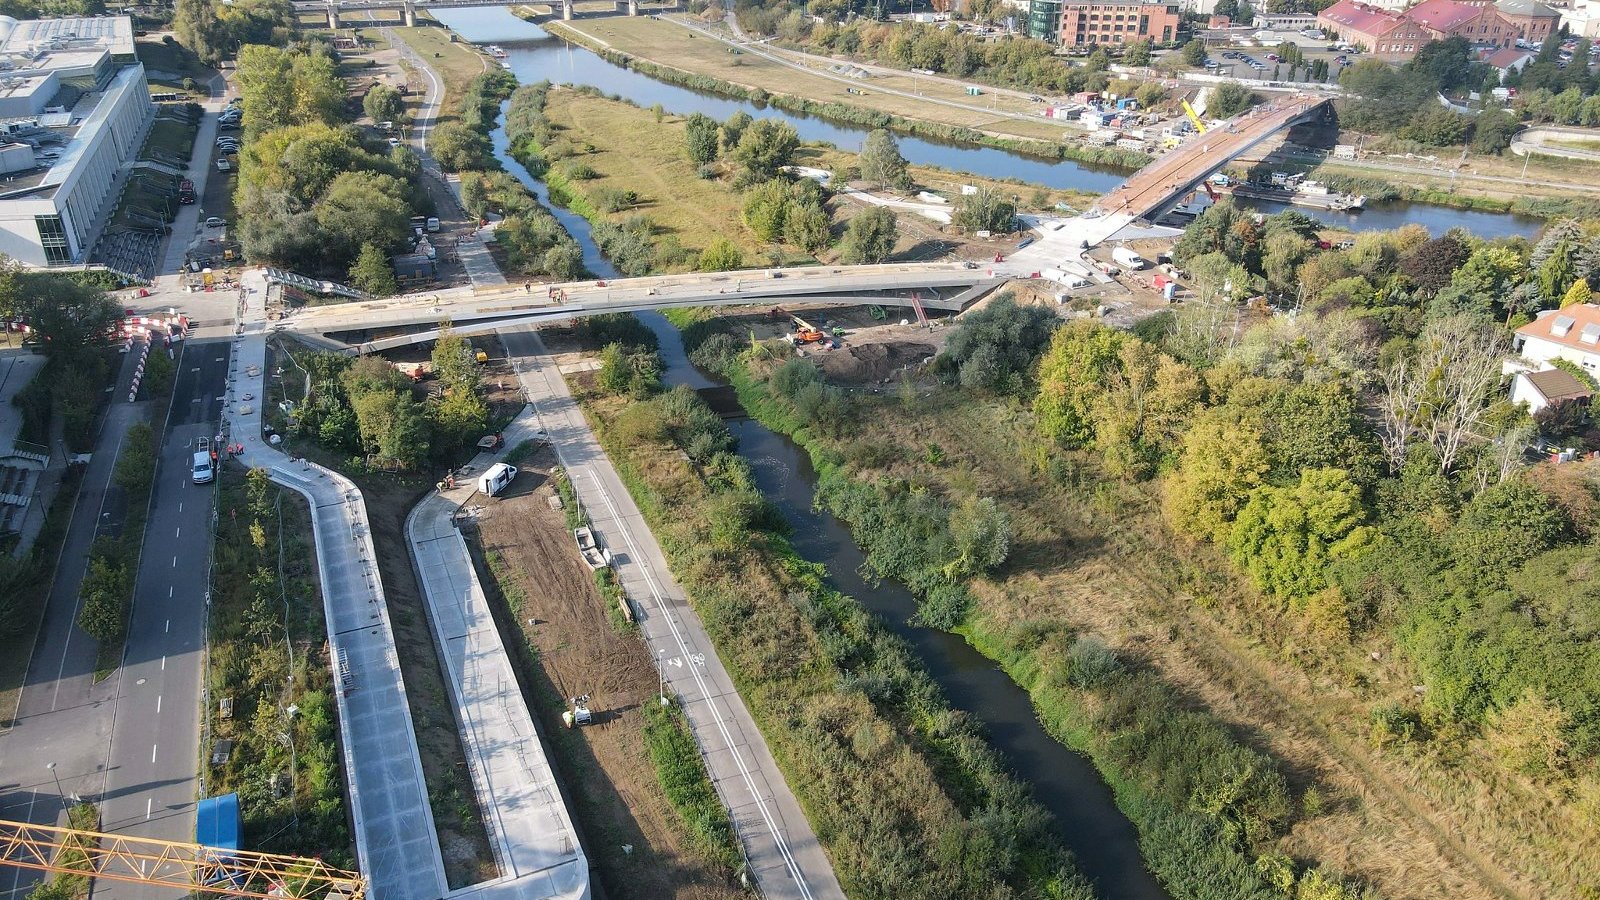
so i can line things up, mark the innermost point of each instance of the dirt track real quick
(604, 768)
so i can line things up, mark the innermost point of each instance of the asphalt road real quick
(152, 769)
(785, 857)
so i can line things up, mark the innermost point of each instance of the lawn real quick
(455, 62)
(171, 136)
(167, 63)
(673, 45)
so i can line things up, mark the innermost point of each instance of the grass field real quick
(170, 136)
(456, 63)
(167, 64)
(632, 152)
(673, 45)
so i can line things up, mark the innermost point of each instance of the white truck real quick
(1128, 257)
(495, 478)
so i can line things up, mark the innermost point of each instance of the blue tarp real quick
(216, 822)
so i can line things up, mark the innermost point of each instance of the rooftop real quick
(1527, 8)
(1361, 17)
(1576, 326)
(1510, 56)
(1442, 15)
(1556, 385)
(112, 34)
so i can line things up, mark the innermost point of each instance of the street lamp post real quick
(661, 675)
(59, 792)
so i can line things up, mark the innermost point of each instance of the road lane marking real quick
(179, 533)
(149, 803)
(153, 752)
(174, 562)
(158, 703)
(169, 597)
(163, 663)
(180, 506)
(169, 621)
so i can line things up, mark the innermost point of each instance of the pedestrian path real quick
(529, 826)
(396, 841)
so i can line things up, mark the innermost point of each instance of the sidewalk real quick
(529, 827)
(396, 840)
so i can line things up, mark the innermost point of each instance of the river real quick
(534, 55)
(1105, 843)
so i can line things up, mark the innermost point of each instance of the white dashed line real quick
(153, 752)
(158, 703)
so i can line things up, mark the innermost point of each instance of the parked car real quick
(215, 222)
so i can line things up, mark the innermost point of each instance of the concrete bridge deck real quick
(947, 286)
(1159, 186)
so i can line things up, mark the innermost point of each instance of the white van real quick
(205, 466)
(495, 478)
(433, 224)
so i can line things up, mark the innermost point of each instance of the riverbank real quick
(836, 111)
(904, 793)
(1092, 561)
(599, 151)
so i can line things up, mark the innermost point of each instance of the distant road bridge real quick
(945, 286)
(408, 8)
(1158, 187)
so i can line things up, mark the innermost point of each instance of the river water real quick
(534, 56)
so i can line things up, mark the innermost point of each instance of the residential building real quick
(1571, 333)
(1548, 387)
(1581, 18)
(1080, 22)
(1044, 20)
(1508, 60)
(1532, 20)
(74, 110)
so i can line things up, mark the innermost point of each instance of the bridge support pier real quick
(633, 7)
(566, 10)
(411, 14)
(333, 17)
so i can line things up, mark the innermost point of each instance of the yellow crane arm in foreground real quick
(190, 867)
(1194, 117)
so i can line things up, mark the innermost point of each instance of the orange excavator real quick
(804, 332)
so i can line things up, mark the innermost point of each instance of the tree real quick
(1578, 293)
(288, 87)
(1137, 53)
(1442, 391)
(809, 227)
(1493, 129)
(881, 162)
(459, 418)
(453, 362)
(371, 272)
(1526, 736)
(65, 316)
(383, 103)
(364, 208)
(1223, 459)
(870, 236)
(700, 134)
(1285, 538)
(1194, 52)
(1431, 265)
(980, 536)
(765, 208)
(720, 256)
(1071, 374)
(458, 148)
(105, 590)
(733, 129)
(986, 209)
(564, 261)
(1228, 99)
(995, 348)
(766, 146)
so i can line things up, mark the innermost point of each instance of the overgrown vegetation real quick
(268, 667)
(369, 409)
(903, 791)
(72, 855)
(683, 778)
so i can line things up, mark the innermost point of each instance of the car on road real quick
(215, 222)
(394, 142)
(205, 465)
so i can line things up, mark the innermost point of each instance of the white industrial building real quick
(74, 109)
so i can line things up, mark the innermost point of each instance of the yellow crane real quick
(189, 867)
(1194, 117)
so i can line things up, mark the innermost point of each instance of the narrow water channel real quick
(1089, 823)
(534, 55)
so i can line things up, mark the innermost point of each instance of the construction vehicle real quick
(1194, 117)
(171, 864)
(579, 714)
(806, 333)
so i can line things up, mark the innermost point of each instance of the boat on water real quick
(496, 51)
(505, 65)
(1295, 189)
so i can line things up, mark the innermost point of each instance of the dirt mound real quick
(872, 362)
